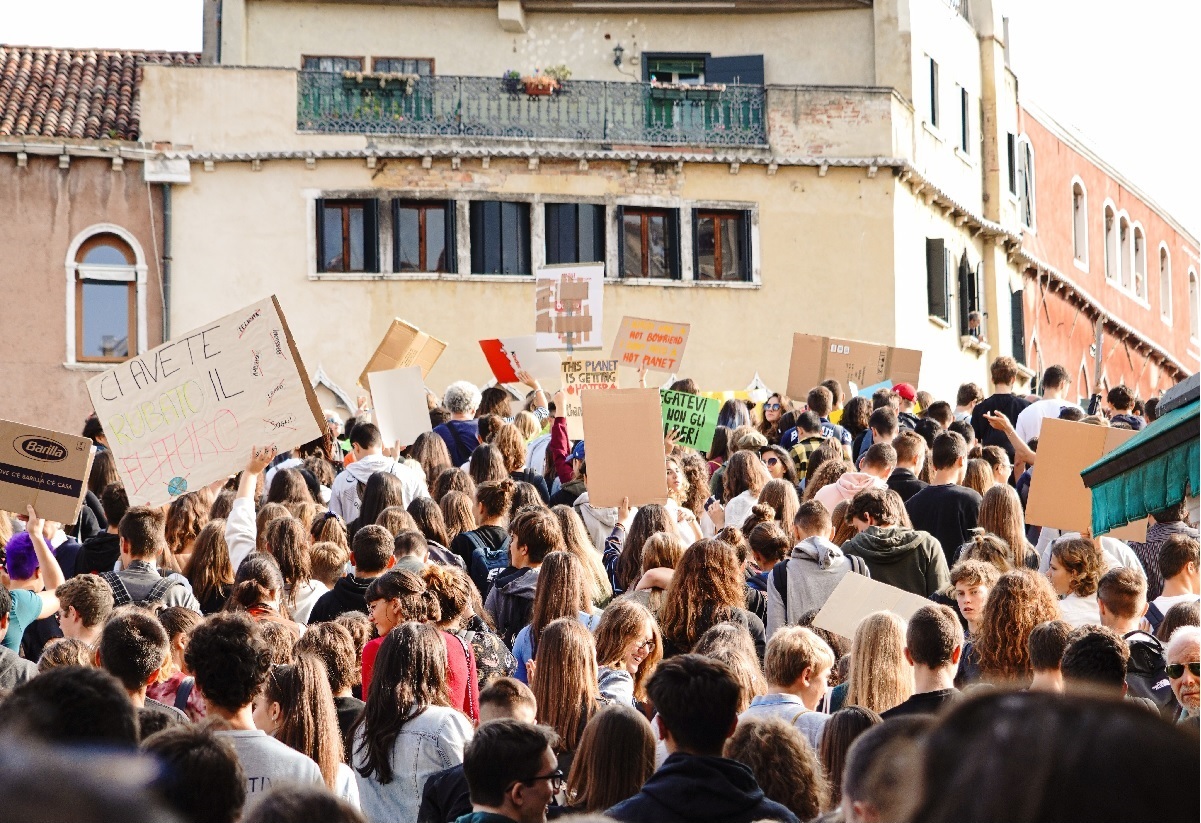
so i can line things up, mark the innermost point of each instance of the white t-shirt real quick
(1080, 611)
(1030, 420)
(1163, 602)
(269, 763)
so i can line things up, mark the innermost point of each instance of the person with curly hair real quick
(1020, 601)
(1075, 571)
(706, 589)
(230, 661)
(783, 763)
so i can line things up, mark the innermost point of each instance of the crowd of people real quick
(449, 630)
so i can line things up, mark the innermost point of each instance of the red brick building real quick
(1111, 279)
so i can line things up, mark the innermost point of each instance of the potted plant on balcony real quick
(560, 74)
(539, 84)
(510, 81)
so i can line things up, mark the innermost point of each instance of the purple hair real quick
(21, 559)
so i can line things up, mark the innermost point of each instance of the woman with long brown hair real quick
(464, 616)
(564, 682)
(487, 465)
(825, 473)
(449, 480)
(660, 555)
(209, 570)
(382, 490)
(296, 707)
(838, 734)
(186, 516)
(705, 590)
(628, 648)
(731, 643)
(1075, 570)
(781, 495)
(616, 756)
(286, 540)
(458, 512)
(745, 477)
(880, 676)
(1019, 602)
(407, 731)
(1001, 514)
(774, 408)
(511, 444)
(427, 515)
(577, 542)
(561, 591)
(259, 589)
(978, 476)
(623, 551)
(102, 473)
(430, 451)
(784, 764)
(288, 486)
(679, 494)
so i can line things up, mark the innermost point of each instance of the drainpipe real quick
(166, 262)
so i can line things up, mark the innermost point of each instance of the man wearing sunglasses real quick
(512, 772)
(1184, 670)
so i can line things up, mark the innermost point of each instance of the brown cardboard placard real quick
(403, 345)
(187, 413)
(815, 359)
(45, 469)
(656, 344)
(1058, 497)
(856, 596)
(578, 377)
(625, 447)
(569, 306)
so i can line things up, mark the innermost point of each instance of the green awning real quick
(1154, 469)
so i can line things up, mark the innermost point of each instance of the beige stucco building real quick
(839, 167)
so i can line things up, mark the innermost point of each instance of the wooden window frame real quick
(370, 234)
(671, 230)
(719, 216)
(361, 58)
(448, 220)
(128, 275)
(430, 60)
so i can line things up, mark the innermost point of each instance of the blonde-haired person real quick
(880, 676)
(661, 554)
(577, 541)
(797, 668)
(1075, 571)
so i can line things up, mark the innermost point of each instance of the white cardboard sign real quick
(401, 411)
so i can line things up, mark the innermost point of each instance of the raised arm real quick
(1021, 452)
(52, 573)
(240, 532)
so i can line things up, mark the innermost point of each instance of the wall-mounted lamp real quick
(618, 51)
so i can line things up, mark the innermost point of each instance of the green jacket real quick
(906, 558)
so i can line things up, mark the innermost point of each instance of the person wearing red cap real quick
(905, 416)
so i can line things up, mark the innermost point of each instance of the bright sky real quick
(1124, 74)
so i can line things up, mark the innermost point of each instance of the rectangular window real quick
(1018, 318)
(105, 319)
(969, 299)
(964, 130)
(423, 236)
(423, 66)
(938, 296)
(575, 233)
(650, 244)
(1011, 148)
(933, 92)
(500, 237)
(332, 64)
(347, 236)
(722, 245)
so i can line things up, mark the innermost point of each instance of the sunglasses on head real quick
(1176, 670)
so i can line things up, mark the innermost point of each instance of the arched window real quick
(1111, 244)
(106, 301)
(1140, 263)
(1192, 304)
(1080, 222)
(1165, 284)
(1124, 256)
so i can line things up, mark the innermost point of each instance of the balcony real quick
(491, 107)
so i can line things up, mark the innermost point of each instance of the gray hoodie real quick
(815, 568)
(599, 522)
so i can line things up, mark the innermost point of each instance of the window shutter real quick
(553, 213)
(696, 245)
(395, 212)
(621, 241)
(371, 235)
(966, 291)
(978, 288)
(1012, 157)
(936, 278)
(745, 70)
(592, 234)
(320, 228)
(451, 226)
(745, 225)
(673, 243)
(1017, 309)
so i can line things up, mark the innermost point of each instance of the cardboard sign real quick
(625, 447)
(693, 416)
(401, 411)
(1058, 497)
(403, 345)
(656, 344)
(46, 469)
(580, 376)
(815, 359)
(856, 596)
(568, 307)
(508, 355)
(188, 412)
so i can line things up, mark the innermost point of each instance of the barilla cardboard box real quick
(43, 468)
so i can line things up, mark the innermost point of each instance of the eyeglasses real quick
(1176, 670)
(771, 406)
(648, 644)
(771, 461)
(555, 778)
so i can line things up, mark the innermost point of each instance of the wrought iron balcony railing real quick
(580, 111)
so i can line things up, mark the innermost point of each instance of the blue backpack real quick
(486, 562)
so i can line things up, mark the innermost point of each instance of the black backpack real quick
(779, 579)
(1147, 675)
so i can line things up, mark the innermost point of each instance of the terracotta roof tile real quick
(83, 94)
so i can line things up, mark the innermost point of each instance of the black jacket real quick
(99, 554)
(535, 480)
(347, 595)
(511, 601)
(692, 788)
(905, 483)
(568, 493)
(445, 797)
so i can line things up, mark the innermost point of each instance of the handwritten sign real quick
(580, 376)
(187, 413)
(400, 407)
(567, 307)
(43, 468)
(655, 344)
(692, 416)
(403, 345)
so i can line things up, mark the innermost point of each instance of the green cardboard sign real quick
(694, 418)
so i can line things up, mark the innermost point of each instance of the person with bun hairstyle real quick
(485, 549)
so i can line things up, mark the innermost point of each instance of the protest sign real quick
(868, 391)
(625, 447)
(1058, 497)
(188, 412)
(856, 596)
(45, 469)
(508, 355)
(815, 359)
(401, 411)
(580, 376)
(693, 416)
(403, 345)
(655, 344)
(568, 307)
